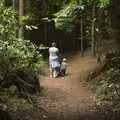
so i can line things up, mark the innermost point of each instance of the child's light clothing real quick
(53, 51)
(64, 66)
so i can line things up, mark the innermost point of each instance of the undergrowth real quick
(107, 80)
(20, 60)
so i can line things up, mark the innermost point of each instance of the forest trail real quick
(69, 92)
(67, 98)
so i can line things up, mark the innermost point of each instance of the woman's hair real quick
(53, 44)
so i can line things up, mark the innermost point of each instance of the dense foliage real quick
(20, 60)
(75, 9)
(8, 23)
(38, 9)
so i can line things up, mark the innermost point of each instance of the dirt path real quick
(66, 96)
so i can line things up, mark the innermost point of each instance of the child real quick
(64, 66)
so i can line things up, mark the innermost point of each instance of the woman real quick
(54, 60)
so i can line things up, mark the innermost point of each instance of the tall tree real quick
(21, 13)
(93, 30)
(13, 2)
(81, 29)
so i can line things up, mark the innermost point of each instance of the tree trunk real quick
(13, 2)
(21, 13)
(93, 30)
(45, 31)
(81, 29)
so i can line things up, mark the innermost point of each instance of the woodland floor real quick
(68, 98)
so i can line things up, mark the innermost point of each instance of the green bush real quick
(20, 60)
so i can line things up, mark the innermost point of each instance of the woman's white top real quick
(53, 57)
(53, 51)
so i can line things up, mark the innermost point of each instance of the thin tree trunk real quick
(13, 2)
(45, 28)
(21, 13)
(93, 30)
(81, 29)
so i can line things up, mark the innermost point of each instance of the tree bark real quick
(93, 31)
(81, 29)
(21, 13)
(13, 2)
(46, 34)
